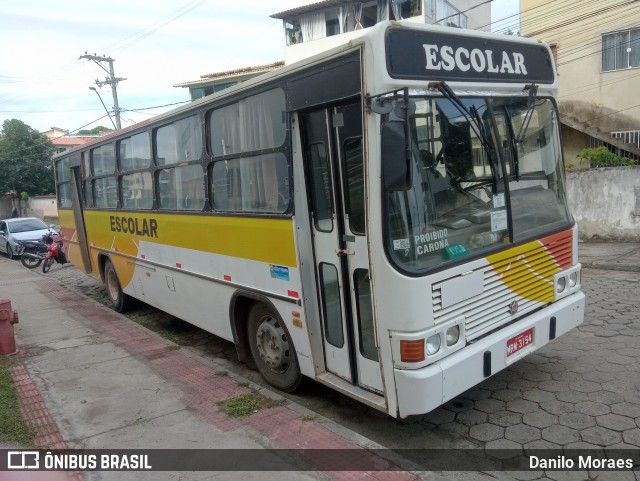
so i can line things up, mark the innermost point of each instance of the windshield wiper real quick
(475, 122)
(531, 104)
(450, 95)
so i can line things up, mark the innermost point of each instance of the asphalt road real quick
(580, 391)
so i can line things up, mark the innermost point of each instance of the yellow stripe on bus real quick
(265, 240)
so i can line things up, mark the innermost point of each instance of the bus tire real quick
(119, 300)
(272, 349)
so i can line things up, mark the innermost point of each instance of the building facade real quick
(315, 27)
(597, 50)
(211, 83)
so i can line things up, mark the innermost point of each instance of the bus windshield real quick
(478, 182)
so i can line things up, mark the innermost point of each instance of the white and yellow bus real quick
(388, 218)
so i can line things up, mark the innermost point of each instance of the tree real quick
(25, 160)
(95, 131)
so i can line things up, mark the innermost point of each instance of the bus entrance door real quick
(335, 176)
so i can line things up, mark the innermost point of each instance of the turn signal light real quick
(412, 351)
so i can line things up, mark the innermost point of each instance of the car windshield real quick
(26, 225)
(479, 181)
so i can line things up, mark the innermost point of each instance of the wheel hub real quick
(273, 345)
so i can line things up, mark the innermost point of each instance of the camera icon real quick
(23, 460)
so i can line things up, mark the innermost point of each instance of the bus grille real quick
(523, 274)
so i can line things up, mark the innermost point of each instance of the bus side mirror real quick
(396, 161)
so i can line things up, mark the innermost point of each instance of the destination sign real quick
(438, 55)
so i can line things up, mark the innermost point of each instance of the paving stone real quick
(440, 416)
(592, 408)
(585, 386)
(552, 367)
(526, 475)
(471, 417)
(522, 406)
(557, 407)
(577, 420)
(632, 436)
(507, 394)
(537, 395)
(490, 405)
(566, 475)
(536, 375)
(572, 396)
(455, 429)
(567, 376)
(539, 419)
(505, 418)
(504, 447)
(477, 394)
(493, 384)
(596, 376)
(521, 433)
(560, 434)
(486, 432)
(521, 384)
(541, 444)
(606, 397)
(554, 386)
(616, 422)
(459, 404)
(600, 436)
(626, 409)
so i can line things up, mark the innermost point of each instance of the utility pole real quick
(110, 80)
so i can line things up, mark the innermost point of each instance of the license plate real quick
(519, 342)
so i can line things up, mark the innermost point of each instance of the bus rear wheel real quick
(272, 349)
(119, 300)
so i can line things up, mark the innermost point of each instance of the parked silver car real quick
(18, 229)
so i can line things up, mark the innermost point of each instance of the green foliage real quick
(25, 160)
(24, 195)
(95, 131)
(12, 427)
(602, 157)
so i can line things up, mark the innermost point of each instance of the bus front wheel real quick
(272, 349)
(120, 301)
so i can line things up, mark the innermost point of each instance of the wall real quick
(44, 207)
(606, 202)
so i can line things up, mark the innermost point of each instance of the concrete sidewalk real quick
(89, 378)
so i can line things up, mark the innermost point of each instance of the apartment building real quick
(597, 48)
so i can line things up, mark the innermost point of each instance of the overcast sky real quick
(155, 44)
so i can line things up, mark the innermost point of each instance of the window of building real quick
(621, 50)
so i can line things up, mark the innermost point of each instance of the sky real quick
(155, 44)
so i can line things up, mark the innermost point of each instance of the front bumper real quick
(422, 390)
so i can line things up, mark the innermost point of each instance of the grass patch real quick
(246, 404)
(12, 427)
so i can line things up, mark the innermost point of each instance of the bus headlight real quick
(573, 279)
(433, 344)
(561, 285)
(452, 335)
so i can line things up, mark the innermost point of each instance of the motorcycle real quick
(55, 251)
(32, 253)
(44, 252)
